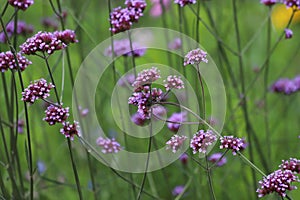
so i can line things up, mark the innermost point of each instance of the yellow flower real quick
(281, 16)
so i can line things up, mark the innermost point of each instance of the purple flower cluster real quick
(279, 181)
(40, 89)
(126, 80)
(195, 57)
(138, 119)
(122, 48)
(48, 42)
(70, 130)
(122, 19)
(175, 142)
(8, 61)
(292, 164)
(292, 3)
(268, 2)
(173, 82)
(175, 44)
(286, 86)
(178, 190)
(22, 29)
(146, 77)
(175, 121)
(21, 4)
(56, 114)
(288, 33)
(202, 140)
(233, 143)
(185, 2)
(108, 145)
(218, 159)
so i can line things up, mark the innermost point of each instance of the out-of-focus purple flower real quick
(70, 130)
(185, 2)
(292, 3)
(41, 167)
(202, 140)
(217, 157)
(22, 29)
(56, 114)
(175, 121)
(156, 9)
(173, 82)
(50, 23)
(7, 61)
(20, 126)
(83, 111)
(195, 56)
(233, 143)
(175, 44)
(284, 85)
(296, 81)
(178, 190)
(146, 77)
(108, 145)
(159, 111)
(39, 89)
(126, 80)
(292, 164)
(175, 142)
(184, 158)
(279, 181)
(288, 33)
(212, 121)
(123, 48)
(21, 4)
(268, 2)
(138, 119)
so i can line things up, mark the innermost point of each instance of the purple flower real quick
(56, 114)
(67, 36)
(22, 29)
(48, 22)
(21, 4)
(217, 157)
(126, 80)
(184, 158)
(279, 181)
(20, 125)
(285, 86)
(173, 82)
(41, 167)
(268, 2)
(7, 61)
(292, 164)
(175, 142)
(159, 111)
(123, 48)
(175, 44)
(175, 121)
(288, 33)
(83, 111)
(202, 140)
(233, 143)
(70, 130)
(156, 9)
(138, 5)
(296, 81)
(40, 89)
(108, 145)
(195, 56)
(178, 190)
(138, 119)
(146, 77)
(185, 2)
(292, 3)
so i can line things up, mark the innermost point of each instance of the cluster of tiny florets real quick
(108, 145)
(279, 181)
(268, 2)
(123, 48)
(70, 130)
(146, 77)
(292, 3)
(175, 120)
(195, 56)
(292, 164)
(286, 86)
(185, 2)
(175, 142)
(8, 61)
(21, 4)
(40, 89)
(22, 29)
(56, 114)
(173, 82)
(233, 143)
(202, 140)
(48, 42)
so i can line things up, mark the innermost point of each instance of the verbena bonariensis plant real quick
(257, 55)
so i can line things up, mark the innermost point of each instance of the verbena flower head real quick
(288, 33)
(284, 85)
(108, 145)
(184, 158)
(217, 157)
(178, 190)
(123, 48)
(126, 80)
(21, 4)
(233, 143)
(70, 130)
(7, 61)
(183, 3)
(56, 114)
(22, 29)
(146, 77)
(202, 140)
(195, 57)
(292, 164)
(138, 5)
(175, 142)
(295, 4)
(173, 82)
(279, 181)
(268, 2)
(138, 119)
(156, 9)
(39, 89)
(67, 36)
(175, 121)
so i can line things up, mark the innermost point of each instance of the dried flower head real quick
(7, 61)
(202, 140)
(292, 164)
(233, 143)
(185, 2)
(56, 114)
(21, 4)
(70, 130)
(173, 82)
(108, 145)
(40, 89)
(175, 142)
(195, 56)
